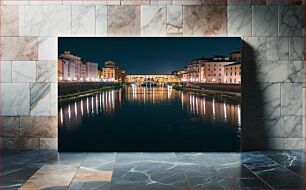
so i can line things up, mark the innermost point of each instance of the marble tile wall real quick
(273, 72)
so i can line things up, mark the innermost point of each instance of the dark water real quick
(149, 119)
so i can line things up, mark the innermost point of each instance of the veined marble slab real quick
(175, 20)
(9, 20)
(239, 20)
(290, 20)
(278, 48)
(47, 48)
(83, 20)
(49, 20)
(135, 2)
(205, 20)
(18, 48)
(15, 99)
(292, 98)
(123, 20)
(40, 101)
(46, 71)
(6, 71)
(101, 20)
(9, 126)
(265, 19)
(23, 71)
(153, 20)
(267, 102)
(38, 126)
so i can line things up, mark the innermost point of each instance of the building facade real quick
(232, 73)
(213, 69)
(112, 72)
(72, 68)
(92, 71)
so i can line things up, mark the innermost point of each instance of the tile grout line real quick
(111, 181)
(184, 173)
(77, 170)
(282, 165)
(277, 165)
(257, 176)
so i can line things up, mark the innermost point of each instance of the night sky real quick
(147, 55)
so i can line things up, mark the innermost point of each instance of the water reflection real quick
(106, 103)
(144, 113)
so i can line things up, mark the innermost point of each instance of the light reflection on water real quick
(106, 103)
(167, 110)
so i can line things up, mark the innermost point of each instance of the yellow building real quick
(232, 73)
(112, 72)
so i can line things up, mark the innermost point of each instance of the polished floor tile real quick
(148, 171)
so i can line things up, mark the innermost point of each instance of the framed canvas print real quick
(149, 94)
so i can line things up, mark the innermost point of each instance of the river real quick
(149, 119)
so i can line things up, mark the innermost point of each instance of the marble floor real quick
(152, 171)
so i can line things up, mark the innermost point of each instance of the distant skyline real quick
(147, 55)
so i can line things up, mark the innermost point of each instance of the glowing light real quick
(82, 107)
(81, 79)
(87, 105)
(100, 97)
(69, 112)
(75, 109)
(92, 105)
(239, 119)
(60, 78)
(224, 107)
(197, 105)
(214, 111)
(61, 115)
(204, 106)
